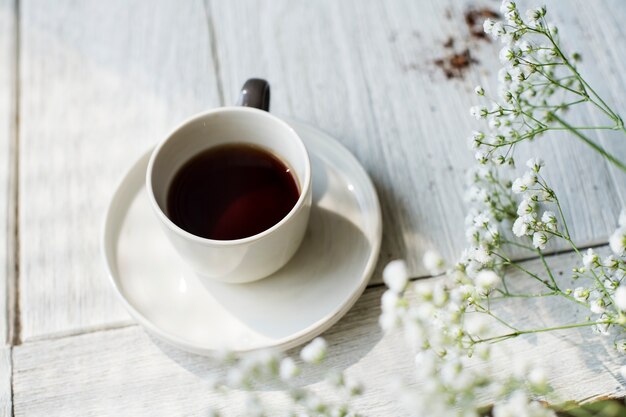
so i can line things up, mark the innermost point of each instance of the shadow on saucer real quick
(333, 254)
(331, 249)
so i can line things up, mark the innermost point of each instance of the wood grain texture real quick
(6, 408)
(100, 83)
(7, 166)
(365, 72)
(603, 65)
(125, 372)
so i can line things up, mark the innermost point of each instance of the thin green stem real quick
(585, 128)
(490, 313)
(591, 143)
(521, 268)
(548, 270)
(519, 245)
(605, 107)
(543, 330)
(521, 295)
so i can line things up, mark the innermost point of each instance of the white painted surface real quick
(7, 167)
(100, 82)
(124, 372)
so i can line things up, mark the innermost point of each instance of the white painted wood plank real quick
(598, 35)
(364, 71)
(101, 82)
(124, 372)
(7, 165)
(5, 382)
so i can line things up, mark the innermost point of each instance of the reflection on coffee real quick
(231, 192)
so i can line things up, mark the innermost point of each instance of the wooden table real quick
(87, 86)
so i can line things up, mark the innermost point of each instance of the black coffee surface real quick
(231, 192)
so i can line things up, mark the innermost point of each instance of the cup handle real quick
(255, 93)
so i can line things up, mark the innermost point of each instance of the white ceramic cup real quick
(251, 258)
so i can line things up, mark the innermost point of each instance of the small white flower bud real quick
(288, 369)
(620, 297)
(314, 352)
(581, 294)
(479, 90)
(535, 164)
(540, 239)
(433, 262)
(487, 280)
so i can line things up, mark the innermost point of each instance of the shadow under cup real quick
(241, 260)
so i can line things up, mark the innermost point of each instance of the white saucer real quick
(311, 293)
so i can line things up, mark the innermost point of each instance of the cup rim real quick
(306, 181)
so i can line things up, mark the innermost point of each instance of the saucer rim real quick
(311, 331)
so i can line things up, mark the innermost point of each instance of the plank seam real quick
(80, 332)
(15, 328)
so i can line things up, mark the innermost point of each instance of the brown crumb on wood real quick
(474, 19)
(454, 66)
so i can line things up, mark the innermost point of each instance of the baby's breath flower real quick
(527, 206)
(486, 280)
(517, 76)
(507, 6)
(529, 178)
(521, 226)
(433, 262)
(533, 15)
(546, 54)
(538, 380)
(288, 369)
(581, 294)
(488, 26)
(497, 30)
(590, 259)
(535, 164)
(481, 255)
(597, 306)
(620, 297)
(540, 239)
(518, 186)
(602, 328)
(314, 352)
(481, 220)
(479, 112)
(395, 275)
(622, 218)
(479, 90)
(503, 75)
(617, 241)
(507, 55)
(610, 262)
(481, 157)
(548, 217)
(519, 405)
